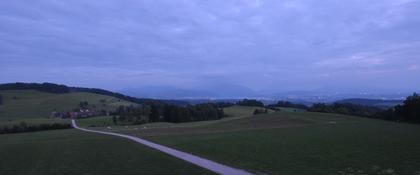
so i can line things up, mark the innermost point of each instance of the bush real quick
(288, 104)
(260, 111)
(251, 102)
(167, 113)
(24, 127)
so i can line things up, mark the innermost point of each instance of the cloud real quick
(253, 43)
(414, 67)
(355, 61)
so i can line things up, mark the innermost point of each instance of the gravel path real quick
(205, 163)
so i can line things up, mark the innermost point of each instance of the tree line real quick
(250, 102)
(287, 104)
(44, 87)
(345, 108)
(409, 111)
(167, 113)
(24, 127)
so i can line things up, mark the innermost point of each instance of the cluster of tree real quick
(132, 114)
(288, 104)
(200, 112)
(250, 102)
(345, 108)
(260, 111)
(84, 105)
(167, 113)
(409, 111)
(44, 87)
(224, 104)
(24, 127)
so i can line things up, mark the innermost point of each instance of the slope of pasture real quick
(22, 104)
(301, 143)
(241, 111)
(233, 113)
(68, 152)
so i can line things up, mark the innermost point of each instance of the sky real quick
(260, 45)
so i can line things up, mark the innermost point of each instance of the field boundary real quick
(199, 161)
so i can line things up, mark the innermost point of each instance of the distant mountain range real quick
(221, 91)
(228, 92)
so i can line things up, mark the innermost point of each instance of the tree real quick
(83, 104)
(288, 104)
(114, 120)
(320, 107)
(410, 109)
(45, 87)
(154, 113)
(260, 111)
(251, 102)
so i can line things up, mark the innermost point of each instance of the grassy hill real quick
(27, 104)
(282, 142)
(297, 143)
(233, 113)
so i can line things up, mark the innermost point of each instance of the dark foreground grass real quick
(70, 152)
(364, 145)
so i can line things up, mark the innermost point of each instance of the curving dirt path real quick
(205, 163)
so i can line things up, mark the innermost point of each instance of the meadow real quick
(299, 143)
(68, 152)
(288, 141)
(31, 104)
(233, 113)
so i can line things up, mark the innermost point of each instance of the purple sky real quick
(263, 45)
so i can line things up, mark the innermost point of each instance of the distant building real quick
(81, 113)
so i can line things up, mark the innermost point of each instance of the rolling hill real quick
(25, 104)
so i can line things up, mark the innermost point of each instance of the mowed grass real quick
(24, 104)
(300, 143)
(239, 118)
(101, 121)
(69, 152)
(287, 109)
(242, 111)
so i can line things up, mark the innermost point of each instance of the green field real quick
(287, 109)
(286, 142)
(233, 113)
(101, 121)
(26, 104)
(299, 143)
(69, 152)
